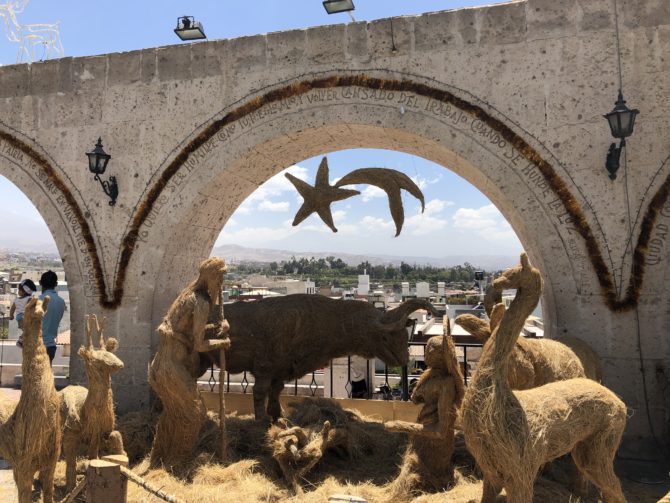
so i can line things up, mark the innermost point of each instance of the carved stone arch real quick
(32, 170)
(241, 147)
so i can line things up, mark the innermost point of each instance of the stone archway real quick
(216, 167)
(546, 73)
(220, 165)
(31, 170)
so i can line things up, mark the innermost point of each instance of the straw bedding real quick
(253, 476)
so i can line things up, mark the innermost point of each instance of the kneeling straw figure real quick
(427, 461)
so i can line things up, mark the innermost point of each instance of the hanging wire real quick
(629, 242)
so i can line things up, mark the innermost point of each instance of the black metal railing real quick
(385, 391)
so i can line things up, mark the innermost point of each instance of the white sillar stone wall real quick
(510, 97)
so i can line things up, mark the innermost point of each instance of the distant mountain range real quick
(241, 254)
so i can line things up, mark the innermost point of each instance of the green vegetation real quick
(332, 271)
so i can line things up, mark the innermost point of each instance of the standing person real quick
(51, 320)
(25, 292)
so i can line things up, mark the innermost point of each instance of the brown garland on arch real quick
(556, 184)
(53, 177)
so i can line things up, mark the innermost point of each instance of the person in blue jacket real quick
(55, 310)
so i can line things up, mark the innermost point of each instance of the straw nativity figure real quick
(194, 324)
(31, 436)
(512, 434)
(87, 415)
(297, 450)
(534, 362)
(427, 462)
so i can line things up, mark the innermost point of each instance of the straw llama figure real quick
(427, 462)
(534, 362)
(30, 439)
(88, 414)
(512, 434)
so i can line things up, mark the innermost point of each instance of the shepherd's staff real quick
(222, 372)
(222, 404)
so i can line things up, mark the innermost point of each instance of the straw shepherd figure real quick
(513, 434)
(427, 462)
(195, 314)
(87, 415)
(534, 362)
(30, 439)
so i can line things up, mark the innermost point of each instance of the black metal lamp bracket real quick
(110, 187)
(613, 157)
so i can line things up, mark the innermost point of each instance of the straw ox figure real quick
(513, 434)
(88, 414)
(30, 438)
(284, 338)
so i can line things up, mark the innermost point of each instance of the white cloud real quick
(424, 223)
(270, 206)
(374, 223)
(486, 221)
(315, 224)
(274, 187)
(338, 216)
(253, 236)
(371, 192)
(430, 220)
(425, 182)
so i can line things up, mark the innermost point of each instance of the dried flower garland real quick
(555, 182)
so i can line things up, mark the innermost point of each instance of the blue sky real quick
(458, 218)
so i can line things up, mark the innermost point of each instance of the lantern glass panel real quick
(336, 6)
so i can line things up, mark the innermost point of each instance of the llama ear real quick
(525, 263)
(45, 303)
(496, 316)
(101, 328)
(89, 329)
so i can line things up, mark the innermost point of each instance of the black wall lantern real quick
(97, 163)
(622, 122)
(189, 29)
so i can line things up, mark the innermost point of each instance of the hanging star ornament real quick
(319, 198)
(322, 195)
(390, 181)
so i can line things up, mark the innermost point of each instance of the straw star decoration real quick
(319, 197)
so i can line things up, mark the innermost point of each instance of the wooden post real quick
(104, 483)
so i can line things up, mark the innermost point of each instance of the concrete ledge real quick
(384, 410)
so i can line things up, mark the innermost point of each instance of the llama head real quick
(100, 361)
(521, 277)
